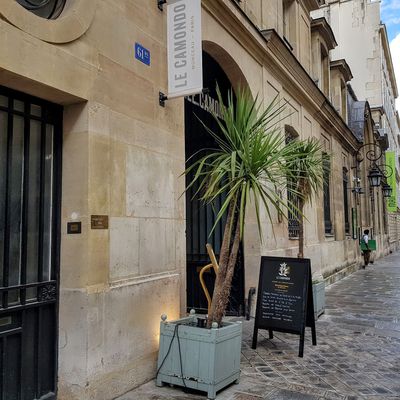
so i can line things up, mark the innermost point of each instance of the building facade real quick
(97, 239)
(374, 77)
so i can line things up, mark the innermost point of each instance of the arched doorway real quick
(200, 218)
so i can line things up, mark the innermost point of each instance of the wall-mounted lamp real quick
(378, 173)
(387, 190)
(375, 176)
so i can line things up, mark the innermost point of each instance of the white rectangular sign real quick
(185, 69)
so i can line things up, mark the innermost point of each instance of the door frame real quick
(213, 71)
(56, 120)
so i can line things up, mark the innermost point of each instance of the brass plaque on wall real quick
(74, 228)
(99, 221)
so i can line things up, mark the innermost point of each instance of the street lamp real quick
(375, 176)
(378, 173)
(387, 190)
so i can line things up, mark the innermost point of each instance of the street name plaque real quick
(285, 301)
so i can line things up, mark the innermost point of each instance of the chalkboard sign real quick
(285, 301)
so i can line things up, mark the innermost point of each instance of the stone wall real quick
(123, 155)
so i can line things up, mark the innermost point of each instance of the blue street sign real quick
(142, 54)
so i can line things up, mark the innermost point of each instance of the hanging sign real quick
(185, 70)
(285, 300)
(392, 200)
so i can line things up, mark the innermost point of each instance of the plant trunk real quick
(227, 262)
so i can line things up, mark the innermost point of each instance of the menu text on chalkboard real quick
(285, 301)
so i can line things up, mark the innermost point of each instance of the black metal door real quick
(30, 166)
(200, 218)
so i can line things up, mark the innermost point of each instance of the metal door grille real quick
(30, 166)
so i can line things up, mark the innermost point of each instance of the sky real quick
(390, 14)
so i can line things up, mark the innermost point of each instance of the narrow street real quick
(357, 357)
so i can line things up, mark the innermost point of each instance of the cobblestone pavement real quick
(357, 357)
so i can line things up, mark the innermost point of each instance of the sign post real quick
(285, 301)
(185, 70)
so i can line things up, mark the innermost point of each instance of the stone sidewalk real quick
(357, 357)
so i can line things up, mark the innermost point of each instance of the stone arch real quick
(218, 67)
(227, 63)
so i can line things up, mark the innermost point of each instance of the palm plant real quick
(306, 174)
(251, 160)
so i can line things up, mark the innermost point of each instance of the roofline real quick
(326, 108)
(379, 109)
(312, 4)
(322, 25)
(343, 67)
(388, 53)
(351, 92)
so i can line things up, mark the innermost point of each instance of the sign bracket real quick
(162, 97)
(160, 4)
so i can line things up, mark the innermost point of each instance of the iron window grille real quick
(327, 199)
(346, 202)
(293, 214)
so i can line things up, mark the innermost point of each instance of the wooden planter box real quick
(210, 357)
(319, 298)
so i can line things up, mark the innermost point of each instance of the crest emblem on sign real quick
(284, 270)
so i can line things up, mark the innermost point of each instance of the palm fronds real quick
(250, 161)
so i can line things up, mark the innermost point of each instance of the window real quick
(286, 23)
(324, 71)
(327, 198)
(343, 93)
(385, 215)
(50, 9)
(293, 221)
(289, 22)
(346, 201)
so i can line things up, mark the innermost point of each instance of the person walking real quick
(367, 252)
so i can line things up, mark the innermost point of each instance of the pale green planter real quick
(210, 357)
(319, 298)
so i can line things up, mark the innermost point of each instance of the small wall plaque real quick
(99, 221)
(74, 228)
(142, 54)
